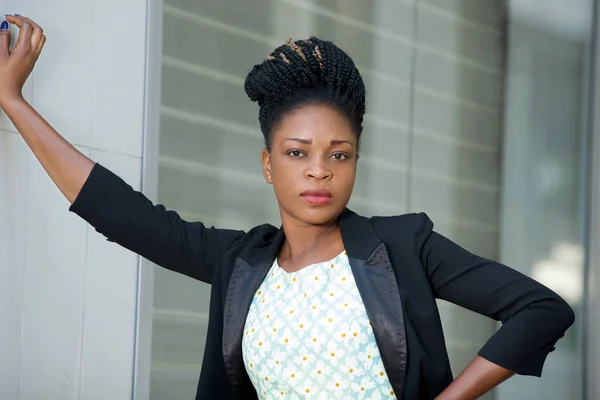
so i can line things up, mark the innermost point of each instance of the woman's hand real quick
(16, 64)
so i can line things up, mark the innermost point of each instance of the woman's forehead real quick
(315, 122)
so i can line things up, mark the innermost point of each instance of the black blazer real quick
(400, 266)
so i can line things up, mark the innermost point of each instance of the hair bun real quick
(305, 70)
(291, 67)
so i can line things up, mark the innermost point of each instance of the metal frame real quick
(151, 136)
(592, 313)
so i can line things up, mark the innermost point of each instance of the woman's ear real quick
(266, 166)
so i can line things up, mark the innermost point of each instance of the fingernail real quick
(4, 26)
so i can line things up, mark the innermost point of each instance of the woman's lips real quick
(317, 197)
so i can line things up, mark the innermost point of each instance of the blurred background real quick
(476, 115)
(479, 113)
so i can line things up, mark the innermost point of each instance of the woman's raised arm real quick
(110, 205)
(65, 165)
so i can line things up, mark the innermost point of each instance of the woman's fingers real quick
(31, 37)
(40, 46)
(26, 30)
(24, 39)
(33, 23)
(4, 40)
(38, 33)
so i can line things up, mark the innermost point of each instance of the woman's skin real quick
(312, 148)
(66, 166)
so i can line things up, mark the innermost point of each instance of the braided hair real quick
(306, 72)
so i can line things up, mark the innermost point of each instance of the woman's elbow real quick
(562, 313)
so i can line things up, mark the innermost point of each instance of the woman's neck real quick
(309, 244)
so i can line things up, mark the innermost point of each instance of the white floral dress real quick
(307, 335)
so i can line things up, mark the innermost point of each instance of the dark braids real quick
(306, 72)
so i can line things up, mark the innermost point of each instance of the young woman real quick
(332, 305)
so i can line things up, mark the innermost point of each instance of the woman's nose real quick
(318, 170)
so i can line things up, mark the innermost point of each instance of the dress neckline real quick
(308, 267)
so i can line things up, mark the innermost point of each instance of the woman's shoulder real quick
(404, 230)
(410, 222)
(264, 233)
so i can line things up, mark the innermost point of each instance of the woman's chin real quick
(320, 215)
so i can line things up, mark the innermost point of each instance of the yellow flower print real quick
(337, 383)
(293, 374)
(319, 342)
(363, 385)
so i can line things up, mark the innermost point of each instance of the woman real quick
(332, 305)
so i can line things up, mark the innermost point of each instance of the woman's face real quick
(312, 164)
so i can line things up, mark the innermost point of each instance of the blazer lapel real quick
(378, 288)
(250, 269)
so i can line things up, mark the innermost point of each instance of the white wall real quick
(67, 296)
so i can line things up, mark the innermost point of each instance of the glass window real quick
(480, 132)
(544, 171)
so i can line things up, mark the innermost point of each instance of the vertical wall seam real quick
(412, 107)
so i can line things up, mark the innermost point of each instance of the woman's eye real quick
(339, 156)
(295, 153)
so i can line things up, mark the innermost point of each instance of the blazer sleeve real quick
(128, 218)
(533, 317)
